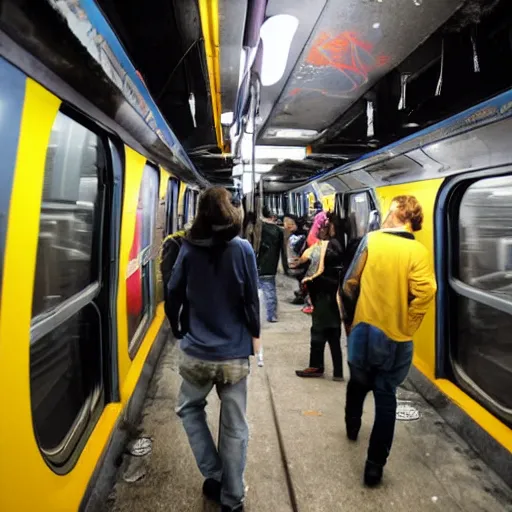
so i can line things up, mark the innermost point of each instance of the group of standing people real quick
(381, 295)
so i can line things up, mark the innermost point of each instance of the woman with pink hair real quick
(319, 222)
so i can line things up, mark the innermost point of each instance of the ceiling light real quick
(226, 118)
(280, 153)
(276, 33)
(290, 133)
(376, 25)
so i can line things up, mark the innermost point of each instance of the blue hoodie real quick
(213, 301)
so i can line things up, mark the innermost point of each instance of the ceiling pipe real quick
(251, 45)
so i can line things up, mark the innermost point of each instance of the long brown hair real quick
(216, 216)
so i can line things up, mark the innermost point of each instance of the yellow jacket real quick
(390, 284)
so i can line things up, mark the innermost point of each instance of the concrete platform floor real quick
(430, 468)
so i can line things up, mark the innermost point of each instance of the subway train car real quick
(83, 211)
(461, 172)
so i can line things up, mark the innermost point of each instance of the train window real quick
(286, 204)
(482, 285)
(66, 333)
(189, 205)
(67, 253)
(140, 281)
(485, 226)
(65, 369)
(172, 206)
(359, 214)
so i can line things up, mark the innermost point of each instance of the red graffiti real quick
(347, 53)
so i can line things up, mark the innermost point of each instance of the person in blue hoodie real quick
(213, 307)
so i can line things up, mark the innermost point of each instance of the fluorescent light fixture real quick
(280, 153)
(226, 118)
(290, 133)
(277, 34)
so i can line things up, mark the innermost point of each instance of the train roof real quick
(475, 138)
(70, 48)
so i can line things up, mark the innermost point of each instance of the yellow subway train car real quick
(460, 171)
(82, 217)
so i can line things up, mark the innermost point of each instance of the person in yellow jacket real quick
(386, 292)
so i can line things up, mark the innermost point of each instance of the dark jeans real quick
(320, 336)
(377, 364)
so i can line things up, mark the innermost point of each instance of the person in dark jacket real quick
(323, 287)
(213, 307)
(271, 248)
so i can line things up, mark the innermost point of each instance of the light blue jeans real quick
(227, 463)
(268, 286)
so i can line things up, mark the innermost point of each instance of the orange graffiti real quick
(347, 53)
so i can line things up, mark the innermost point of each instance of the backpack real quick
(170, 249)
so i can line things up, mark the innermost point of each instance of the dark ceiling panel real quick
(308, 13)
(164, 41)
(355, 43)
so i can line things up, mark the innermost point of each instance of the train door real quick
(189, 205)
(475, 308)
(173, 187)
(286, 204)
(359, 208)
(72, 322)
(141, 281)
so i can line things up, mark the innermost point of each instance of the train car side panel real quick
(134, 168)
(48, 492)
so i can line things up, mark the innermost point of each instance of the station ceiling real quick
(341, 93)
(344, 54)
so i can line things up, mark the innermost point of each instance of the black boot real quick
(211, 489)
(372, 473)
(238, 508)
(353, 426)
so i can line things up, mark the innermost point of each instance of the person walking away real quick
(270, 250)
(323, 288)
(169, 252)
(213, 308)
(385, 295)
